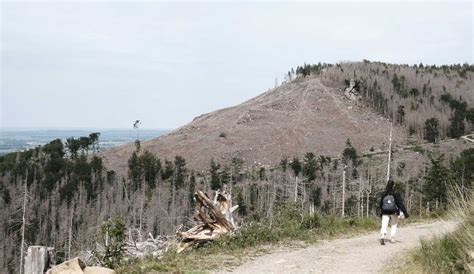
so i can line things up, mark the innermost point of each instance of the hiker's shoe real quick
(382, 241)
(392, 240)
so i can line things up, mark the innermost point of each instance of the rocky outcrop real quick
(351, 92)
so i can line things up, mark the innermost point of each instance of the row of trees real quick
(84, 143)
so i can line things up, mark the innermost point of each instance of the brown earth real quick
(305, 115)
(362, 254)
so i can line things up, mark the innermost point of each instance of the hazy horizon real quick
(103, 65)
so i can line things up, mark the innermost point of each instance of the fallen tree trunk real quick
(214, 218)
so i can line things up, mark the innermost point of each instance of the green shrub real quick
(110, 243)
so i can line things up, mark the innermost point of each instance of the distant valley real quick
(12, 139)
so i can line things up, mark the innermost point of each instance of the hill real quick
(300, 116)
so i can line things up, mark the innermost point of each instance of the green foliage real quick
(168, 171)
(432, 130)
(236, 166)
(308, 69)
(456, 128)
(261, 173)
(284, 164)
(110, 243)
(310, 166)
(215, 178)
(296, 166)
(461, 112)
(253, 196)
(73, 145)
(462, 169)
(180, 171)
(7, 163)
(350, 154)
(5, 195)
(240, 201)
(315, 196)
(134, 170)
(138, 145)
(143, 167)
(49, 167)
(191, 190)
(85, 143)
(54, 147)
(94, 139)
(224, 175)
(436, 180)
(151, 167)
(401, 114)
(414, 92)
(396, 83)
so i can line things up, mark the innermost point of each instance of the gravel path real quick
(362, 254)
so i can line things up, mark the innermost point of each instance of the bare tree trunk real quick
(70, 233)
(359, 199)
(368, 199)
(296, 189)
(304, 195)
(421, 201)
(389, 153)
(141, 213)
(25, 194)
(343, 190)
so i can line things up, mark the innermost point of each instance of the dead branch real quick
(214, 218)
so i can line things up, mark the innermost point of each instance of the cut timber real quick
(37, 259)
(214, 218)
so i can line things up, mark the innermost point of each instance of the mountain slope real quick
(302, 116)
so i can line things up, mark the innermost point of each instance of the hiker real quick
(391, 204)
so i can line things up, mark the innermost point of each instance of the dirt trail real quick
(360, 254)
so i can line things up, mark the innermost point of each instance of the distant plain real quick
(13, 139)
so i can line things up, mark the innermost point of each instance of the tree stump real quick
(38, 259)
(214, 218)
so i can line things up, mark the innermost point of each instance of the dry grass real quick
(453, 252)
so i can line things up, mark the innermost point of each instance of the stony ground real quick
(362, 254)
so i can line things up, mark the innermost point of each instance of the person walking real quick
(391, 204)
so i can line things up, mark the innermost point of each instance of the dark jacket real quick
(398, 201)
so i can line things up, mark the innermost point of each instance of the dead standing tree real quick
(214, 219)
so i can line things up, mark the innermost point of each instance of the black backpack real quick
(388, 204)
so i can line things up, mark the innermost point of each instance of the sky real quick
(107, 64)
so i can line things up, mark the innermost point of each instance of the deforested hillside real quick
(297, 117)
(317, 109)
(412, 95)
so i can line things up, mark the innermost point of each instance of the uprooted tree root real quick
(214, 218)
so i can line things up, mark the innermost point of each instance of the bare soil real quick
(361, 254)
(305, 115)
